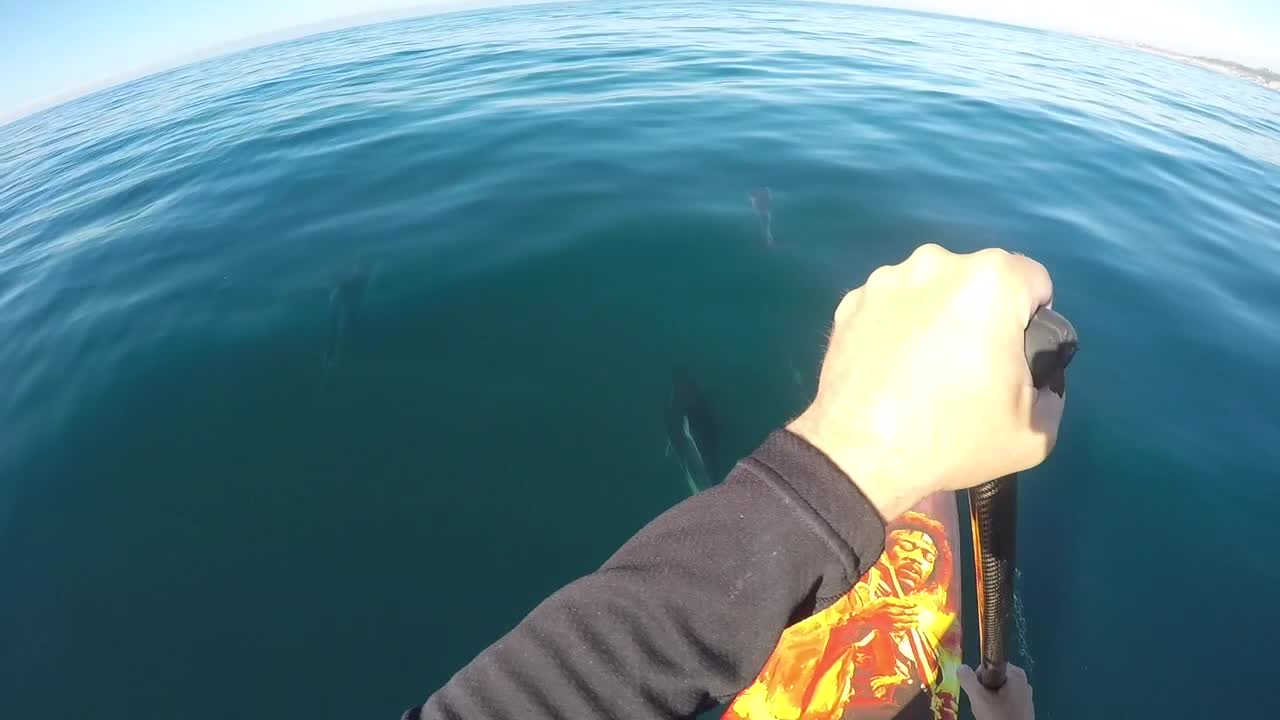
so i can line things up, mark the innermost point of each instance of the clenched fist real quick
(925, 384)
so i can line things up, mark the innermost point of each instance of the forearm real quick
(685, 614)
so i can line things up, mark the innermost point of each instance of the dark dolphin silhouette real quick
(762, 203)
(344, 300)
(692, 432)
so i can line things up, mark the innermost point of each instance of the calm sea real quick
(322, 363)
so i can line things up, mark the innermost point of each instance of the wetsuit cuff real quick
(832, 495)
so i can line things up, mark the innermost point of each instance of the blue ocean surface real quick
(322, 363)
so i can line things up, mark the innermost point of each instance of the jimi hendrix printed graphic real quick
(887, 649)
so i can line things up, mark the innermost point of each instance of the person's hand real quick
(894, 614)
(925, 384)
(880, 686)
(1011, 702)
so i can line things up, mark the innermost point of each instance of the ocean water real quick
(322, 363)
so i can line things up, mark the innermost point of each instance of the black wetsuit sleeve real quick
(685, 614)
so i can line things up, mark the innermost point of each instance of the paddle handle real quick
(1050, 343)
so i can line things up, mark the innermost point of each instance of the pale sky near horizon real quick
(60, 48)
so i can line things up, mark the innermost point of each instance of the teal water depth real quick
(322, 363)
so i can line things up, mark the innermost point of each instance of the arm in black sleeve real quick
(686, 613)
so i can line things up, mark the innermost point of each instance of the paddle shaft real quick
(993, 506)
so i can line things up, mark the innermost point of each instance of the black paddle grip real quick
(1050, 343)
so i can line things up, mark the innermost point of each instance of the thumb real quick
(968, 680)
(1045, 415)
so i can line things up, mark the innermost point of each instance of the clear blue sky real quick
(57, 48)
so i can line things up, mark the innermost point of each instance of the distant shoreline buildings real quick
(1258, 76)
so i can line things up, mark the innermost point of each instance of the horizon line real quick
(447, 7)
(252, 42)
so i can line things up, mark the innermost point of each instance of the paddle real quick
(1050, 344)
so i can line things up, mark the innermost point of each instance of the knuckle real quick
(995, 261)
(994, 268)
(879, 276)
(929, 251)
(848, 304)
(927, 258)
(993, 254)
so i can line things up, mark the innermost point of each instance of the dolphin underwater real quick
(692, 432)
(762, 203)
(344, 300)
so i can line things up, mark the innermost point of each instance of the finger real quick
(968, 680)
(1016, 672)
(1034, 277)
(1043, 421)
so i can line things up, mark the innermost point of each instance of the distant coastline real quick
(1258, 76)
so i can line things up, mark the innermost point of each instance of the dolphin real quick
(344, 300)
(762, 203)
(692, 433)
